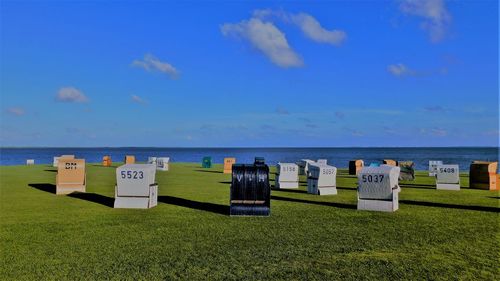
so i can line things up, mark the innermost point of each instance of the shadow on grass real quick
(203, 206)
(420, 186)
(417, 184)
(51, 170)
(346, 174)
(47, 187)
(209, 171)
(305, 191)
(494, 197)
(225, 182)
(328, 204)
(290, 190)
(347, 188)
(94, 197)
(451, 206)
(346, 177)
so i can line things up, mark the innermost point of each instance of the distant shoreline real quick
(237, 147)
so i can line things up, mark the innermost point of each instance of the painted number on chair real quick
(132, 175)
(447, 170)
(70, 166)
(372, 178)
(328, 172)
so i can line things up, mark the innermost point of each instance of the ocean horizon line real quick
(241, 147)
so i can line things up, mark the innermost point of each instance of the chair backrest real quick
(407, 171)
(378, 182)
(433, 166)
(67, 157)
(206, 162)
(129, 159)
(303, 165)
(250, 183)
(162, 162)
(287, 171)
(228, 164)
(390, 162)
(259, 161)
(71, 171)
(135, 179)
(483, 174)
(322, 161)
(325, 174)
(449, 174)
(56, 161)
(355, 166)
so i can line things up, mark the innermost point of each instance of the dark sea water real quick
(338, 157)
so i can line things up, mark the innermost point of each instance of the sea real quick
(338, 157)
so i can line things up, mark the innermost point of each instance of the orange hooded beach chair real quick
(71, 176)
(483, 175)
(228, 165)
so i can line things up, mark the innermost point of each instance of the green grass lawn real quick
(189, 235)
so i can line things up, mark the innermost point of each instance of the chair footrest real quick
(241, 210)
(248, 202)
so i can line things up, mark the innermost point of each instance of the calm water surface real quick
(338, 157)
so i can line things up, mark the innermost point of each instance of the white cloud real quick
(309, 25)
(17, 111)
(263, 34)
(70, 94)
(137, 99)
(314, 31)
(400, 70)
(436, 17)
(151, 63)
(437, 132)
(267, 38)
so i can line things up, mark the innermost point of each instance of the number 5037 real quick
(372, 178)
(132, 175)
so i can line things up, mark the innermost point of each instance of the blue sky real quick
(333, 73)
